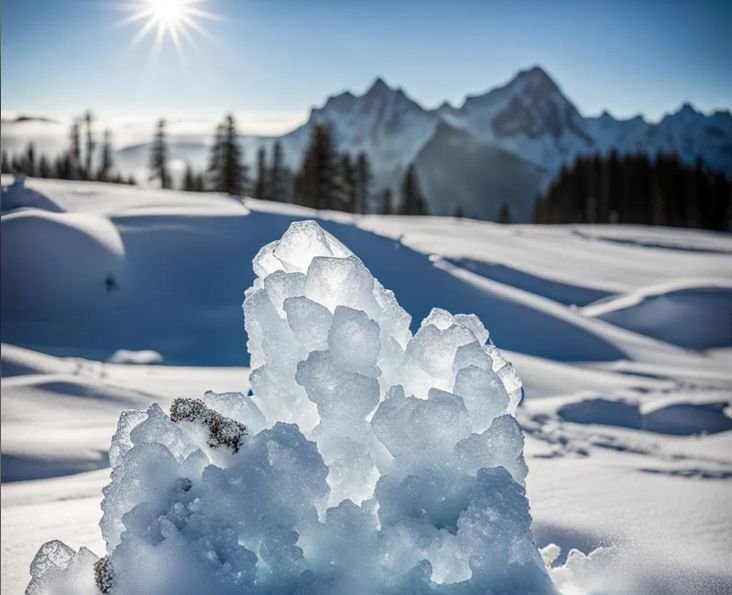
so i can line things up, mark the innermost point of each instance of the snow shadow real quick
(183, 286)
(679, 419)
(564, 293)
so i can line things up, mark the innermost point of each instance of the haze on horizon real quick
(270, 62)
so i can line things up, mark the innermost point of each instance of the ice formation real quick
(367, 459)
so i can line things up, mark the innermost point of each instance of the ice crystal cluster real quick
(367, 460)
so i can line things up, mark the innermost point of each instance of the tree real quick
(345, 196)
(188, 178)
(192, 181)
(363, 183)
(74, 150)
(45, 168)
(159, 157)
(90, 144)
(504, 213)
(277, 174)
(386, 208)
(315, 182)
(639, 190)
(261, 185)
(5, 166)
(29, 162)
(105, 167)
(412, 202)
(227, 172)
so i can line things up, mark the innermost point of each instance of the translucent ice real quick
(367, 460)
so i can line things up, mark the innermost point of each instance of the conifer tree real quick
(90, 145)
(363, 184)
(106, 164)
(636, 189)
(189, 179)
(29, 167)
(412, 201)
(75, 150)
(504, 213)
(345, 199)
(277, 190)
(159, 157)
(261, 185)
(386, 206)
(227, 171)
(45, 168)
(315, 183)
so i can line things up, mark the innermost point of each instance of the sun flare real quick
(163, 19)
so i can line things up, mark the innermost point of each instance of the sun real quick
(167, 19)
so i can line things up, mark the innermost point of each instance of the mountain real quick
(502, 145)
(458, 170)
(384, 123)
(529, 117)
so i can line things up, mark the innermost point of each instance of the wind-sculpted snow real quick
(367, 460)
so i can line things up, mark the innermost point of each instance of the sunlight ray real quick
(163, 19)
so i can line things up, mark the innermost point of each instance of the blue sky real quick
(279, 57)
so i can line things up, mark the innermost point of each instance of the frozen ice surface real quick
(367, 460)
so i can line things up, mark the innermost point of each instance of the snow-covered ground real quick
(620, 334)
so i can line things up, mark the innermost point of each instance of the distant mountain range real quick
(501, 146)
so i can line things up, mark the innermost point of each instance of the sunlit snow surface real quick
(376, 461)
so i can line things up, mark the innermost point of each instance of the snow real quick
(656, 495)
(701, 311)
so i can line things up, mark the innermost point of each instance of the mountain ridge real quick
(529, 117)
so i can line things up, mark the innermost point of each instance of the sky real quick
(270, 61)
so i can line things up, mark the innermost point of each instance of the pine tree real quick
(386, 207)
(345, 197)
(315, 183)
(277, 173)
(45, 168)
(90, 144)
(189, 179)
(29, 160)
(413, 202)
(504, 213)
(159, 157)
(261, 185)
(75, 151)
(105, 167)
(636, 189)
(227, 171)
(363, 184)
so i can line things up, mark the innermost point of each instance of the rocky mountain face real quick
(500, 146)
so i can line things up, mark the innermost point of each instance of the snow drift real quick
(367, 459)
(59, 263)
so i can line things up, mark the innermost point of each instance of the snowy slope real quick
(628, 438)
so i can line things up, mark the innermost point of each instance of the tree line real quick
(637, 189)
(326, 179)
(77, 162)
